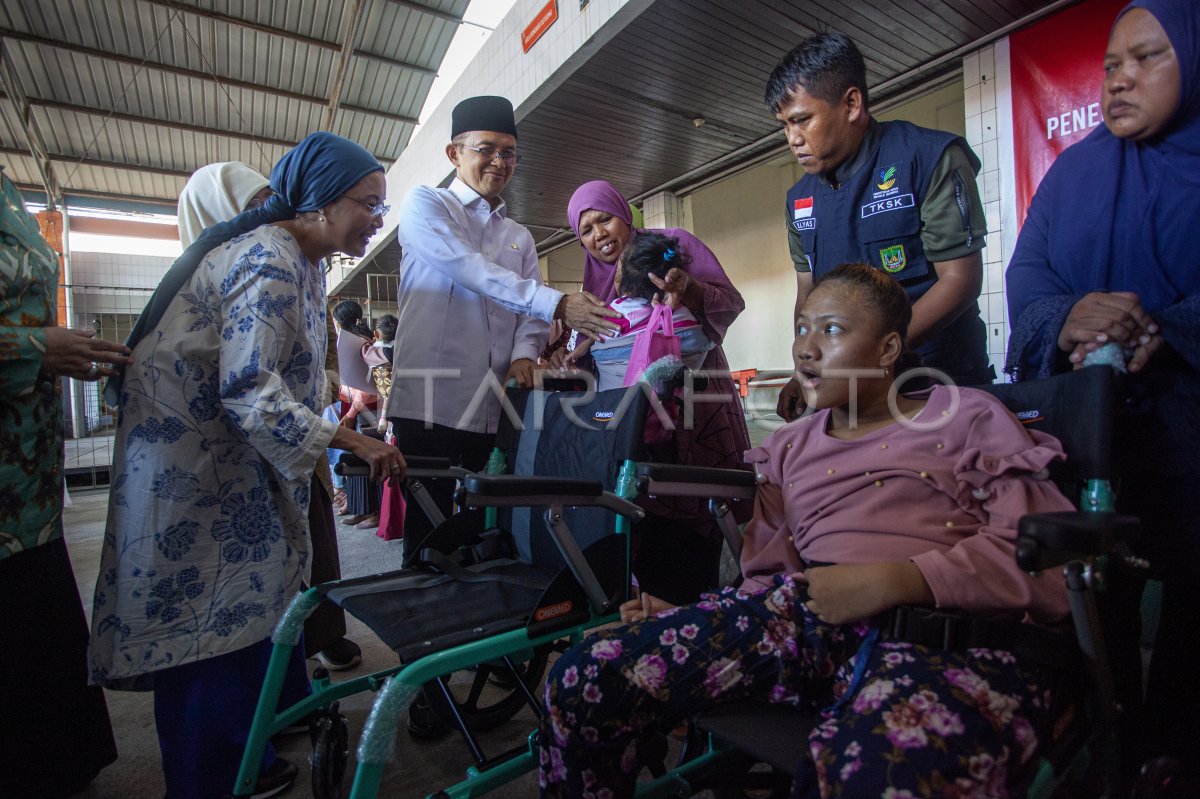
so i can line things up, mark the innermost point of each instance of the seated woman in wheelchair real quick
(873, 501)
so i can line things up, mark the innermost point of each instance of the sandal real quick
(368, 522)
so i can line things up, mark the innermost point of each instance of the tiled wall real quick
(988, 122)
(502, 68)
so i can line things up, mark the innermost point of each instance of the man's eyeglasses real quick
(489, 153)
(378, 209)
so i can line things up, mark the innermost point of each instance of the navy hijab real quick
(309, 177)
(1117, 215)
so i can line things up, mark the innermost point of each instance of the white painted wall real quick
(502, 68)
(742, 221)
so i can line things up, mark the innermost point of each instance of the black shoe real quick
(423, 723)
(340, 655)
(275, 780)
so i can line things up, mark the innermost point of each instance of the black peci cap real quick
(483, 113)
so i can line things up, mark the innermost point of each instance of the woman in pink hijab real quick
(680, 550)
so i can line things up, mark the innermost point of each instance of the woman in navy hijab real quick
(1110, 253)
(220, 429)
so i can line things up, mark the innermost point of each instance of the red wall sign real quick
(1056, 68)
(541, 23)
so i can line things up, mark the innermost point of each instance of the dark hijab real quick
(310, 176)
(1118, 215)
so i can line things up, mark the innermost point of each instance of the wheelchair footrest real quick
(417, 612)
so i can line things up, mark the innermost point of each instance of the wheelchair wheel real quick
(330, 753)
(484, 703)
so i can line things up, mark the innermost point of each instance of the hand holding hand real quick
(1108, 316)
(1142, 353)
(586, 313)
(849, 592)
(81, 355)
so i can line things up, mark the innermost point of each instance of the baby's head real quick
(647, 254)
(385, 328)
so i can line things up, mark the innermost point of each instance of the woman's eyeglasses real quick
(490, 153)
(378, 209)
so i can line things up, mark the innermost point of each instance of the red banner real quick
(1056, 68)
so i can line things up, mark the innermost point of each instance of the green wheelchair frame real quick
(397, 685)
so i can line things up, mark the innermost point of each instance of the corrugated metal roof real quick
(626, 112)
(131, 96)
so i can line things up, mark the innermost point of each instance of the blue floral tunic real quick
(218, 435)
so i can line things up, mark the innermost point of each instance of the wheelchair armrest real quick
(509, 485)
(675, 480)
(676, 473)
(426, 463)
(518, 491)
(1045, 540)
(350, 465)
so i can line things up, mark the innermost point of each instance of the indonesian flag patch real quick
(802, 208)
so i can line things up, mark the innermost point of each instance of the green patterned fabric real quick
(30, 413)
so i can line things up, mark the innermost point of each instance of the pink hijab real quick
(600, 195)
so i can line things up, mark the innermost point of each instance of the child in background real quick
(646, 254)
(377, 355)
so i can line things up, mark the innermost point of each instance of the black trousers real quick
(55, 734)
(463, 448)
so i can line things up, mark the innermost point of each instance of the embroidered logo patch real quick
(805, 224)
(890, 204)
(887, 177)
(603, 416)
(893, 258)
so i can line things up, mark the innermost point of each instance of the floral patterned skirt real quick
(916, 723)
